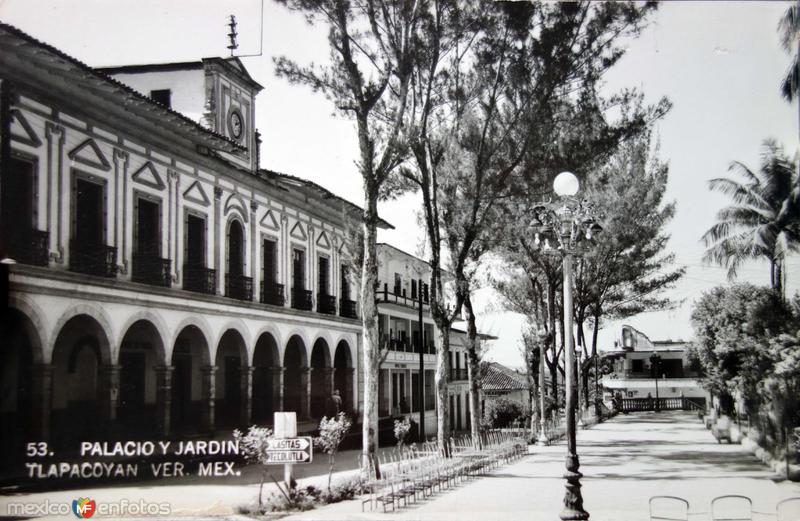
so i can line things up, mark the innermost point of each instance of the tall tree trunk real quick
(473, 357)
(369, 317)
(442, 374)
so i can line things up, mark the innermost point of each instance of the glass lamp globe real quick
(566, 184)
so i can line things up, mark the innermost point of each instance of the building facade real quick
(160, 282)
(640, 364)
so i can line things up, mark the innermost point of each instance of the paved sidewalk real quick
(624, 462)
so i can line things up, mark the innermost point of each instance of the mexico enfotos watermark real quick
(85, 508)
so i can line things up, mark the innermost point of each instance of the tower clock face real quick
(235, 124)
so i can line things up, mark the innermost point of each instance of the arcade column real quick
(277, 388)
(246, 412)
(163, 398)
(208, 396)
(41, 401)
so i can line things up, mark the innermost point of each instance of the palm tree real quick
(789, 28)
(764, 221)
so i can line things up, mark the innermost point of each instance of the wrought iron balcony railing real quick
(93, 259)
(326, 304)
(398, 296)
(272, 293)
(458, 374)
(239, 287)
(301, 299)
(200, 279)
(152, 269)
(347, 308)
(27, 245)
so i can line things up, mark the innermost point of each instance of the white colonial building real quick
(163, 283)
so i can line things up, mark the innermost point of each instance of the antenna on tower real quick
(233, 34)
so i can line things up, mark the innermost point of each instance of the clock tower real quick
(230, 106)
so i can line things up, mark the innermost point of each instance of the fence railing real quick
(326, 304)
(272, 293)
(152, 269)
(662, 404)
(93, 259)
(301, 299)
(27, 245)
(239, 287)
(200, 279)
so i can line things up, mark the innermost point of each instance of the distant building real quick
(635, 377)
(500, 381)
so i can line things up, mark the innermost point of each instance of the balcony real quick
(272, 293)
(347, 308)
(239, 287)
(458, 374)
(301, 299)
(151, 269)
(326, 304)
(93, 259)
(200, 279)
(398, 296)
(28, 246)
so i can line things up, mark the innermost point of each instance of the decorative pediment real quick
(298, 232)
(235, 202)
(196, 194)
(22, 131)
(323, 241)
(88, 153)
(148, 176)
(269, 221)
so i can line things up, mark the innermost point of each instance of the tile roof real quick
(71, 69)
(498, 377)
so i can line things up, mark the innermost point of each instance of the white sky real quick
(719, 62)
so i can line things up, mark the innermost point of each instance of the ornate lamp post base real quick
(542, 440)
(573, 501)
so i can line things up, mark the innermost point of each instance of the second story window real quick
(162, 97)
(301, 297)
(271, 291)
(414, 289)
(88, 250)
(196, 276)
(398, 283)
(22, 241)
(148, 266)
(236, 284)
(323, 276)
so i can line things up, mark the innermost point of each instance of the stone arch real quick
(231, 362)
(98, 317)
(326, 337)
(321, 381)
(295, 377)
(236, 325)
(191, 354)
(203, 327)
(160, 326)
(302, 336)
(275, 333)
(21, 348)
(344, 374)
(266, 377)
(33, 325)
(141, 353)
(80, 388)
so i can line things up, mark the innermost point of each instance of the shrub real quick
(331, 433)
(503, 412)
(401, 430)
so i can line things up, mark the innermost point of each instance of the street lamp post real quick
(579, 384)
(569, 224)
(542, 439)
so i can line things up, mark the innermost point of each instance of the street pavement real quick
(625, 461)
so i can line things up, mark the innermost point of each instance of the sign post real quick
(286, 427)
